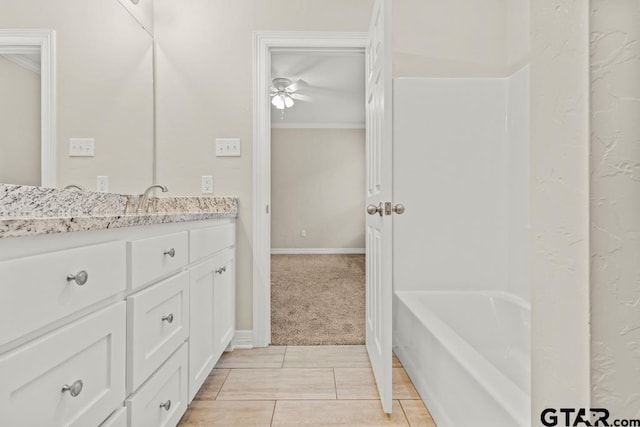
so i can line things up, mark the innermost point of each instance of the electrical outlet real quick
(303, 233)
(102, 184)
(81, 147)
(207, 184)
(227, 147)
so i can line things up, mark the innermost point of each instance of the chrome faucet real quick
(72, 186)
(144, 199)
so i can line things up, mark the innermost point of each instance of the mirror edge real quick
(46, 41)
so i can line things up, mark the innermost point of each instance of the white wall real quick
(615, 206)
(318, 185)
(445, 38)
(559, 205)
(204, 90)
(20, 129)
(104, 87)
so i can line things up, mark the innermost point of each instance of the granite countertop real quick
(28, 211)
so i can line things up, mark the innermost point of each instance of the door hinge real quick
(267, 209)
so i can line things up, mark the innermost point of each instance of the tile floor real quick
(302, 386)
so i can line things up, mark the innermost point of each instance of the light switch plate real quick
(227, 147)
(81, 147)
(207, 184)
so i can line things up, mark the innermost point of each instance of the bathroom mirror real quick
(102, 91)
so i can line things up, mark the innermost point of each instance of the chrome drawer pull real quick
(80, 278)
(73, 389)
(166, 405)
(221, 270)
(168, 318)
(171, 252)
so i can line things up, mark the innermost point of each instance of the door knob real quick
(373, 209)
(399, 209)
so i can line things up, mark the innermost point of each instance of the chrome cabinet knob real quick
(80, 278)
(73, 389)
(399, 209)
(166, 405)
(168, 318)
(221, 269)
(171, 252)
(373, 209)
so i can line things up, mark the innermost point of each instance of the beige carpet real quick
(317, 299)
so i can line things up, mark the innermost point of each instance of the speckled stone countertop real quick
(27, 211)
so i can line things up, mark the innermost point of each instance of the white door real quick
(379, 219)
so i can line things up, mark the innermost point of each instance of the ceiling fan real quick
(284, 92)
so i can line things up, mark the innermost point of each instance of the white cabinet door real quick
(224, 302)
(201, 344)
(212, 315)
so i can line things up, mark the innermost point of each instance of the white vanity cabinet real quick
(129, 341)
(212, 306)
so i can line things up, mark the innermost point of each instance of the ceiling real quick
(335, 82)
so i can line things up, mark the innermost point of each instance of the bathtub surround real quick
(615, 201)
(28, 211)
(317, 299)
(467, 240)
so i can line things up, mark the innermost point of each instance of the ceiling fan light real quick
(278, 102)
(288, 101)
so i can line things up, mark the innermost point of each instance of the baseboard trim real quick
(305, 251)
(243, 339)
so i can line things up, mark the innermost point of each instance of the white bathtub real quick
(468, 354)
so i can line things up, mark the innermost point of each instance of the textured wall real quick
(317, 185)
(559, 204)
(615, 206)
(20, 129)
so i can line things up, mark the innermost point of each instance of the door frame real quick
(20, 41)
(264, 42)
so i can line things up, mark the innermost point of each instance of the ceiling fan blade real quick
(300, 97)
(297, 85)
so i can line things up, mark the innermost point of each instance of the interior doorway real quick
(318, 189)
(266, 45)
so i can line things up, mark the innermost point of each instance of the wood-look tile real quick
(327, 356)
(395, 361)
(402, 386)
(359, 383)
(273, 384)
(352, 413)
(267, 357)
(212, 385)
(417, 414)
(356, 383)
(217, 413)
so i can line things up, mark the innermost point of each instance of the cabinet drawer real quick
(158, 322)
(35, 290)
(88, 355)
(207, 241)
(155, 257)
(117, 419)
(162, 400)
